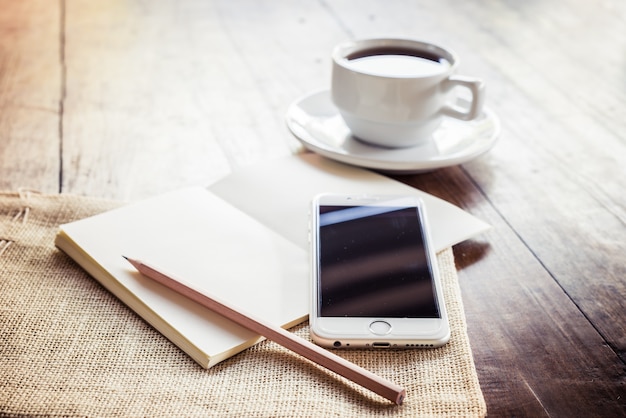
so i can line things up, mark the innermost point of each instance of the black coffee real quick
(397, 62)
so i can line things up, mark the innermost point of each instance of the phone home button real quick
(380, 327)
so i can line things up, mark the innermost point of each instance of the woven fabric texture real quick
(70, 348)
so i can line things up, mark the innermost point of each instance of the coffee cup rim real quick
(344, 49)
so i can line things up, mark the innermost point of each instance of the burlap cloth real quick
(70, 348)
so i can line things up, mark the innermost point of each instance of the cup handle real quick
(476, 87)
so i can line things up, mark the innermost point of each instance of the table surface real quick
(124, 99)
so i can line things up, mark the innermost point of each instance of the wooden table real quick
(126, 99)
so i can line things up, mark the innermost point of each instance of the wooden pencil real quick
(316, 354)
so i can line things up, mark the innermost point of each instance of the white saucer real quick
(315, 121)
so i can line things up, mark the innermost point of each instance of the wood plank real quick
(168, 94)
(143, 82)
(289, 57)
(530, 342)
(546, 189)
(30, 94)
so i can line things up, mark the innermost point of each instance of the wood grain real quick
(30, 94)
(169, 93)
(529, 340)
(142, 81)
(560, 198)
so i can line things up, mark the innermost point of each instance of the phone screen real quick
(373, 263)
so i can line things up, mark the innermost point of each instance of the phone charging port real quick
(381, 345)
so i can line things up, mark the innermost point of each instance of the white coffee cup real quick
(394, 92)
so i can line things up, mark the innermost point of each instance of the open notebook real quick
(244, 239)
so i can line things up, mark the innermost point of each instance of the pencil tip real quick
(125, 257)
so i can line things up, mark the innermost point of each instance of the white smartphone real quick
(375, 282)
